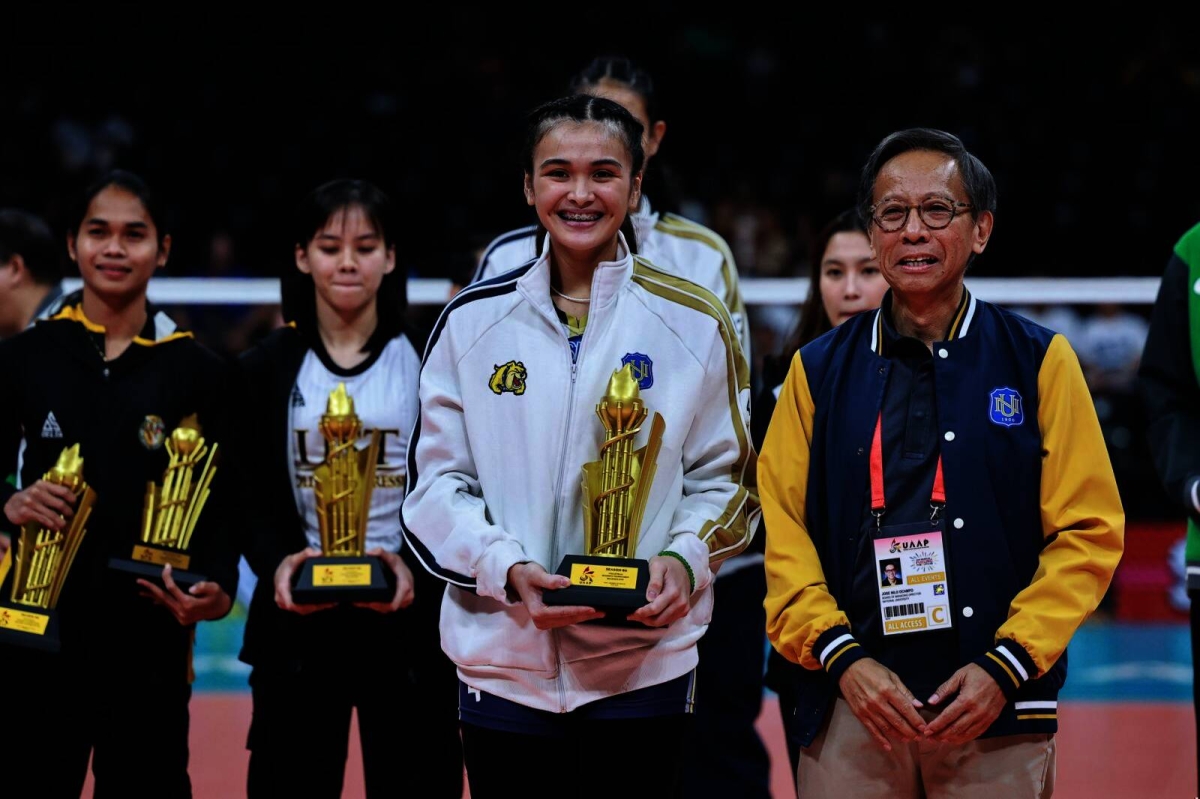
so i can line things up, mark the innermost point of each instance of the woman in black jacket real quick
(113, 375)
(314, 664)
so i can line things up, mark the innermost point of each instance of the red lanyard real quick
(937, 498)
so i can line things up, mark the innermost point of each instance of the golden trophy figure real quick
(343, 484)
(170, 512)
(615, 491)
(43, 559)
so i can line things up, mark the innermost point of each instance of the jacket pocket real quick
(479, 631)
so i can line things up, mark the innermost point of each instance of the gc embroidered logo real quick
(510, 377)
(1005, 409)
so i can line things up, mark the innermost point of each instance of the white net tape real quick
(755, 291)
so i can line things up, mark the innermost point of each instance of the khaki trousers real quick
(845, 762)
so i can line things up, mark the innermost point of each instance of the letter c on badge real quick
(938, 615)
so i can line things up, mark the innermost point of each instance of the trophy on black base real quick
(29, 591)
(615, 491)
(170, 513)
(343, 485)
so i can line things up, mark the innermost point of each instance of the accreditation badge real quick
(914, 593)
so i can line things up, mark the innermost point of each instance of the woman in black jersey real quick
(113, 375)
(313, 665)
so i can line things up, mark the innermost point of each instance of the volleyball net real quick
(755, 291)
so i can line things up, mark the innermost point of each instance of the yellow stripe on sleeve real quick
(843, 651)
(798, 604)
(1007, 670)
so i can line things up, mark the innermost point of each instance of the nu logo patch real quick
(1006, 408)
(510, 377)
(642, 368)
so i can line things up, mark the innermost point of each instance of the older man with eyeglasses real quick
(960, 440)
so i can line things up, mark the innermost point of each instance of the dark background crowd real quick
(1089, 123)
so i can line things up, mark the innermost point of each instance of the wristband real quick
(691, 577)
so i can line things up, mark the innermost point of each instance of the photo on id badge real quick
(890, 575)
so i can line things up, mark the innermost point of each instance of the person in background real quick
(845, 281)
(30, 271)
(1169, 382)
(1110, 347)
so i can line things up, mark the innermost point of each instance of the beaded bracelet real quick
(691, 577)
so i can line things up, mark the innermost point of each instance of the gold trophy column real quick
(616, 488)
(344, 481)
(342, 485)
(607, 575)
(43, 558)
(170, 514)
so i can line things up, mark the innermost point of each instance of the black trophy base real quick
(614, 586)
(345, 578)
(153, 572)
(29, 627)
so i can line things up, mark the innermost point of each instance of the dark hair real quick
(619, 70)
(29, 236)
(814, 321)
(585, 108)
(298, 291)
(156, 209)
(977, 180)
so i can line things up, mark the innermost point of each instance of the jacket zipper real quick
(562, 465)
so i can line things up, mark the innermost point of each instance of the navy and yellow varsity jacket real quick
(1033, 518)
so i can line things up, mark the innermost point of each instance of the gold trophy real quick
(43, 559)
(170, 512)
(343, 484)
(615, 491)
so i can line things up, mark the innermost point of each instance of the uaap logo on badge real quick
(1006, 408)
(642, 368)
(508, 378)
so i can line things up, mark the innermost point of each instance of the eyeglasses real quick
(936, 213)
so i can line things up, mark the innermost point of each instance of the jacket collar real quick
(883, 331)
(159, 327)
(607, 281)
(644, 220)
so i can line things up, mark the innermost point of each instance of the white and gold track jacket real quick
(507, 420)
